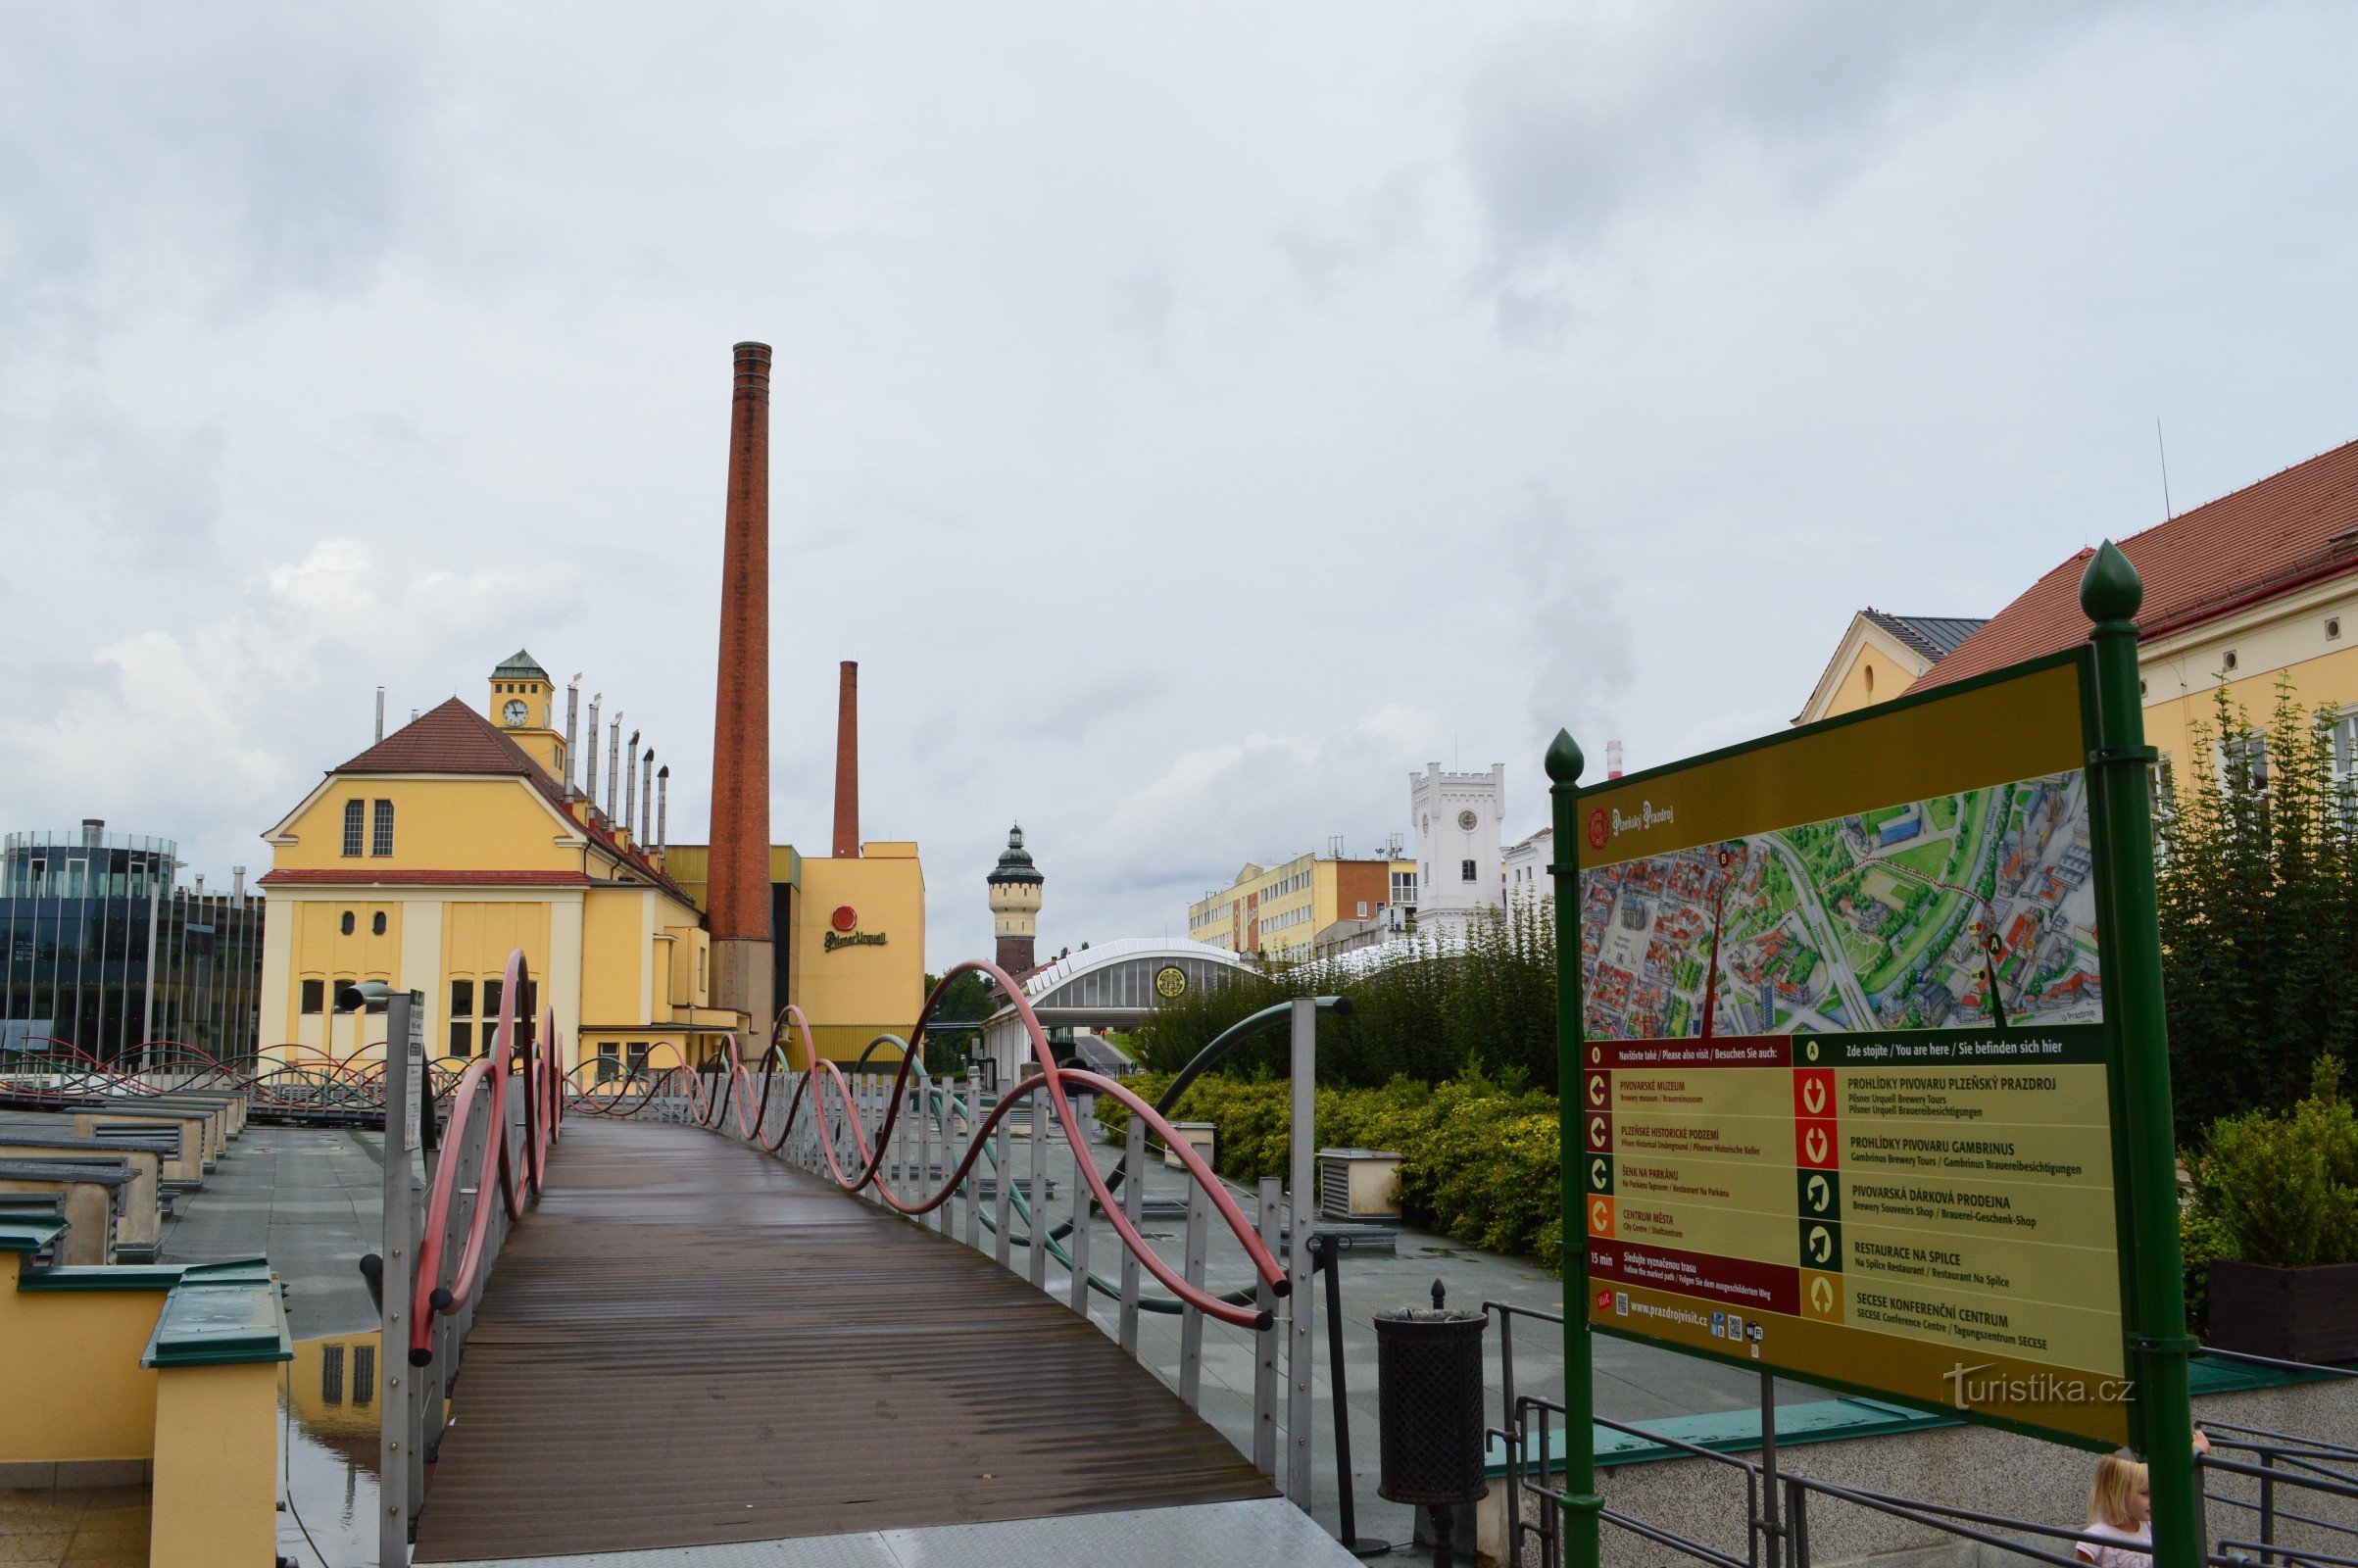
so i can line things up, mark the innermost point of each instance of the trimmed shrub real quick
(2281, 1189)
(1479, 1156)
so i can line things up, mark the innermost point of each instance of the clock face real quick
(514, 712)
(1466, 821)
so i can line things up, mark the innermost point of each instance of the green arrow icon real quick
(1821, 1245)
(1819, 1194)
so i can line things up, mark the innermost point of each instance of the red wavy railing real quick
(519, 1171)
(1048, 1078)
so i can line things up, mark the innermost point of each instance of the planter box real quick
(2294, 1315)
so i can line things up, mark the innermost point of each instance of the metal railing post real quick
(1190, 1320)
(939, 1217)
(1078, 1242)
(1300, 1146)
(1001, 1193)
(397, 1402)
(1771, 1533)
(1264, 1369)
(1037, 1241)
(1134, 1188)
(973, 1121)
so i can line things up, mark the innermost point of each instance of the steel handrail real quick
(519, 1173)
(1050, 1079)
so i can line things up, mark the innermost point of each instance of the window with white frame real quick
(356, 814)
(2251, 751)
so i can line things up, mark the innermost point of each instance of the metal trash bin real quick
(1429, 1403)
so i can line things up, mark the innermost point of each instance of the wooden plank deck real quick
(688, 1342)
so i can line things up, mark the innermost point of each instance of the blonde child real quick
(2120, 1507)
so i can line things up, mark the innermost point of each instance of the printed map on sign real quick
(1962, 910)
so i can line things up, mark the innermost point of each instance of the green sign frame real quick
(2155, 1346)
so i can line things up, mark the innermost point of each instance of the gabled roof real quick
(2292, 529)
(454, 737)
(1934, 637)
(450, 739)
(520, 665)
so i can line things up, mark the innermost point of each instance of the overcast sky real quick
(1194, 419)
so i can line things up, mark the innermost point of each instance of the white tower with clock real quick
(1459, 820)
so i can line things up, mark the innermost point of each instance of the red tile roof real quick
(359, 878)
(2290, 529)
(456, 739)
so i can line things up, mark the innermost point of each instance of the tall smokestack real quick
(589, 760)
(630, 783)
(647, 799)
(737, 892)
(663, 809)
(613, 763)
(573, 722)
(847, 762)
(380, 713)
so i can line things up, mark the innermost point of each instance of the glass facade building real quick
(106, 950)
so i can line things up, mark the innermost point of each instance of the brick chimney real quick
(737, 900)
(847, 762)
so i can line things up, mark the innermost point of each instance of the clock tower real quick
(523, 705)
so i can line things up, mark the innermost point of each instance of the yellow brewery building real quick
(424, 861)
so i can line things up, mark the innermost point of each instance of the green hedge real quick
(2281, 1190)
(1479, 1156)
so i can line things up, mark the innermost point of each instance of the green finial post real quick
(1582, 1504)
(2110, 595)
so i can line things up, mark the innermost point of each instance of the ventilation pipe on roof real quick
(614, 764)
(647, 799)
(238, 880)
(94, 832)
(572, 715)
(380, 713)
(1612, 759)
(589, 762)
(630, 783)
(200, 884)
(663, 813)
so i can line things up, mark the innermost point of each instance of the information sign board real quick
(1848, 1095)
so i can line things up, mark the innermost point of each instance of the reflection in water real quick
(329, 1394)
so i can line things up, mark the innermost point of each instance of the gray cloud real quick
(1192, 426)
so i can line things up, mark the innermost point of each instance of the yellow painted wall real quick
(1869, 679)
(2182, 676)
(614, 936)
(71, 1383)
(691, 981)
(854, 993)
(440, 824)
(476, 940)
(319, 951)
(214, 1500)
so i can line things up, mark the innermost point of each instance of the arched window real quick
(376, 923)
(347, 923)
(380, 836)
(355, 817)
